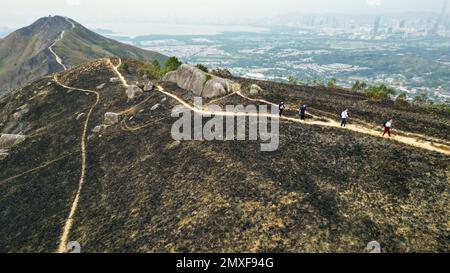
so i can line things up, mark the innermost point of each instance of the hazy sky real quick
(23, 12)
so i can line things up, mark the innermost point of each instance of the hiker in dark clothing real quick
(281, 108)
(388, 127)
(302, 112)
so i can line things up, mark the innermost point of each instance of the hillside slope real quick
(325, 190)
(53, 43)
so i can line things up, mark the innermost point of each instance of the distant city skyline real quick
(96, 12)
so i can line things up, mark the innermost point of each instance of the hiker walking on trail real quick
(302, 112)
(281, 108)
(344, 118)
(388, 127)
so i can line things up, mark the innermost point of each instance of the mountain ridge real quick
(50, 44)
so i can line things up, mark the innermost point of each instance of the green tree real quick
(150, 70)
(359, 86)
(380, 92)
(172, 64)
(202, 68)
(332, 83)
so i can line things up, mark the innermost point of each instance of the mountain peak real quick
(56, 43)
(48, 25)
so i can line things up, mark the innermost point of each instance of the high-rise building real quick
(376, 25)
(440, 19)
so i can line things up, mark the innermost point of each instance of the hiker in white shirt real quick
(388, 127)
(344, 118)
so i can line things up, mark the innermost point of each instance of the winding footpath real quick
(61, 36)
(69, 221)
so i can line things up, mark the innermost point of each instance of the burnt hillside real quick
(323, 190)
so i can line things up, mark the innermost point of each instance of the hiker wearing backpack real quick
(281, 108)
(302, 112)
(388, 127)
(344, 118)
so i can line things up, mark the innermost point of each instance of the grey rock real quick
(100, 86)
(97, 129)
(7, 141)
(134, 92)
(156, 106)
(149, 87)
(80, 115)
(111, 118)
(145, 157)
(114, 80)
(255, 89)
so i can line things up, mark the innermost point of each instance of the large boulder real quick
(201, 83)
(111, 118)
(133, 92)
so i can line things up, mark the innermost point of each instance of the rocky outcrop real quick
(201, 83)
(255, 89)
(134, 92)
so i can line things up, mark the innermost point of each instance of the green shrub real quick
(318, 83)
(380, 92)
(359, 86)
(332, 83)
(401, 97)
(171, 64)
(150, 70)
(202, 68)
(421, 99)
(154, 70)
